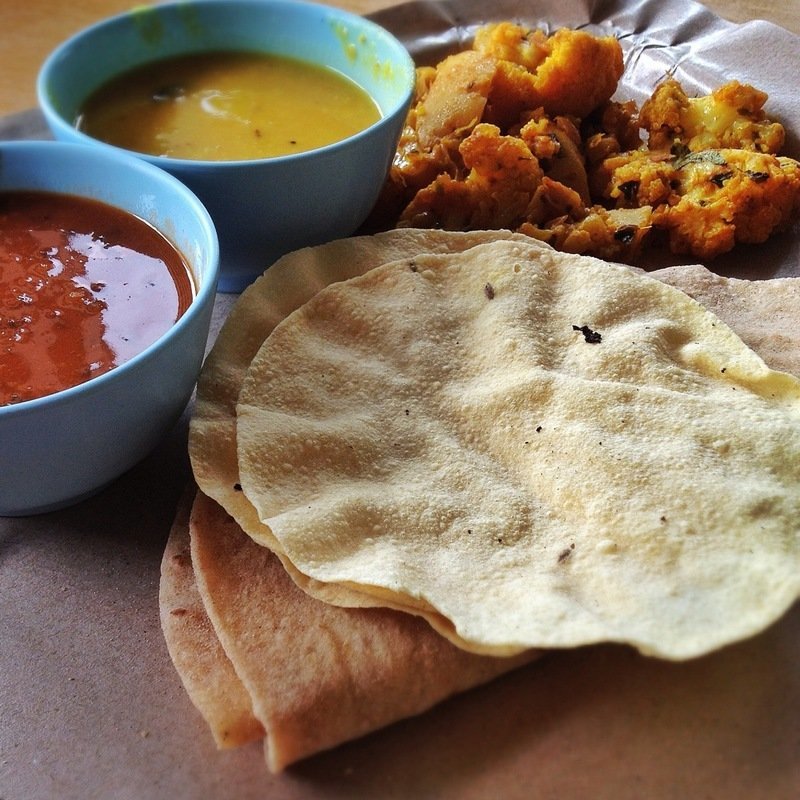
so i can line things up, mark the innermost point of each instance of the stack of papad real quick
(446, 435)
(257, 654)
(281, 290)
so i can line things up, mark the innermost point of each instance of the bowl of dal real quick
(282, 116)
(108, 272)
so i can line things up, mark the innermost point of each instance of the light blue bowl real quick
(267, 207)
(58, 449)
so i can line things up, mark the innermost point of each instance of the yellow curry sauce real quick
(227, 106)
(84, 287)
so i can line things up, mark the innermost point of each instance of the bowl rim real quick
(54, 117)
(205, 287)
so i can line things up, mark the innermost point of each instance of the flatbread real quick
(315, 675)
(546, 450)
(283, 288)
(760, 311)
(763, 313)
(205, 671)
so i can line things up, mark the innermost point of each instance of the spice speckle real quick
(592, 337)
(565, 553)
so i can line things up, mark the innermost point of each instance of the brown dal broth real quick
(227, 106)
(84, 287)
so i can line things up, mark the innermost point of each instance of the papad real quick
(283, 288)
(547, 450)
(763, 313)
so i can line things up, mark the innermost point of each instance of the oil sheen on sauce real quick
(84, 287)
(227, 106)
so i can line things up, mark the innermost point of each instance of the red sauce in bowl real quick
(84, 287)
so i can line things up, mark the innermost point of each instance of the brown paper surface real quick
(91, 707)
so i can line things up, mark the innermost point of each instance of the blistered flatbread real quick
(541, 450)
(283, 288)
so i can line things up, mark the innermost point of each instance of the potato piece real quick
(456, 98)
(508, 41)
(581, 73)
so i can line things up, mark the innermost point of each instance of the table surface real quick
(608, 723)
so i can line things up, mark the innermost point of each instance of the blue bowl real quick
(266, 207)
(63, 447)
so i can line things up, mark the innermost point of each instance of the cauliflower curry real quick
(521, 132)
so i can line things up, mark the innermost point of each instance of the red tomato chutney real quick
(84, 287)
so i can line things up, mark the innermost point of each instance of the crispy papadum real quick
(544, 450)
(763, 313)
(289, 283)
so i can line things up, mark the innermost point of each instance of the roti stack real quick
(458, 450)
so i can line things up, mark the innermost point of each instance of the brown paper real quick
(91, 706)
